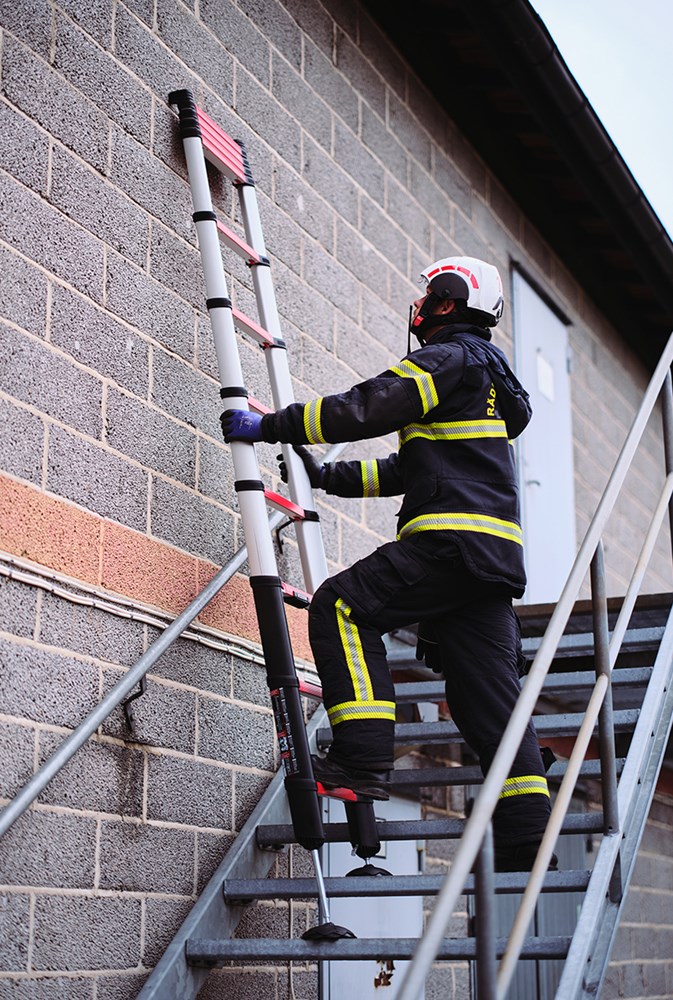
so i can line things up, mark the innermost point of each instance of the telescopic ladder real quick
(203, 141)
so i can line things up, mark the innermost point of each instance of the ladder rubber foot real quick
(368, 870)
(327, 932)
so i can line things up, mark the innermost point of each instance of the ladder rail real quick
(487, 800)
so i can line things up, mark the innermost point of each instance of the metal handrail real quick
(72, 743)
(487, 800)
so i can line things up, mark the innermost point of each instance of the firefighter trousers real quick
(425, 580)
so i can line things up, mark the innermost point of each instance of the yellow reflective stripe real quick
(527, 784)
(454, 430)
(312, 425)
(424, 383)
(348, 711)
(464, 522)
(355, 657)
(370, 479)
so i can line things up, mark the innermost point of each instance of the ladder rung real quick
(207, 952)
(297, 598)
(281, 503)
(222, 151)
(274, 836)
(254, 330)
(235, 242)
(258, 407)
(311, 689)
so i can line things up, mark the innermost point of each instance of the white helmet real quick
(470, 280)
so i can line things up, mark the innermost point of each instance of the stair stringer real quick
(587, 962)
(211, 916)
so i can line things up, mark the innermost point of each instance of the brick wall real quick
(112, 469)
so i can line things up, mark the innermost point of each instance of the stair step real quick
(208, 952)
(273, 836)
(415, 691)
(447, 732)
(452, 776)
(246, 890)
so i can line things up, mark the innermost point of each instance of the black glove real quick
(427, 647)
(316, 471)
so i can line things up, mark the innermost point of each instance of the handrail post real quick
(484, 884)
(606, 730)
(667, 420)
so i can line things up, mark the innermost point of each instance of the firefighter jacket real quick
(456, 405)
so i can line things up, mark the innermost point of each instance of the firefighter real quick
(457, 562)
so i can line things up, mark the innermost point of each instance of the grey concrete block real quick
(236, 735)
(162, 717)
(21, 442)
(44, 95)
(250, 682)
(14, 932)
(101, 777)
(382, 232)
(315, 22)
(404, 125)
(367, 262)
(163, 918)
(358, 162)
(363, 351)
(46, 236)
(189, 792)
(41, 988)
(433, 199)
(18, 604)
(196, 47)
(191, 523)
(267, 118)
(177, 265)
(92, 202)
(359, 71)
(90, 631)
(39, 376)
(305, 984)
(275, 24)
(44, 686)
(103, 79)
(306, 209)
(23, 293)
(387, 325)
(265, 919)
(97, 340)
(24, 151)
(139, 49)
(382, 54)
(326, 373)
(334, 88)
(215, 472)
(211, 850)
(383, 143)
(244, 984)
(194, 664)
(95, 17)
(150, 184)
(144, 434)
(465, 236)
(17, 749)
(81, 933)
(328, 277)
(46, 849)
(238, 34)
(97, 479)
(301, 101)
(144, 303)
(140, 858)
(125, 986)
(407, 213)
(248, 790)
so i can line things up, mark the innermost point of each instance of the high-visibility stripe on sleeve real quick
(349, 711)
(454, 430)
(424, 383)
(370, 479)
(527, 784)
(482, 523)
(355, 657)
(312, 424)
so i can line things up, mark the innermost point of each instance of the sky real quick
(621, 54)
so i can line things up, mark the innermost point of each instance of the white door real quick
(546, 446)
(388, 916)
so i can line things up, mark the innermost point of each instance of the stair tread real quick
(433, 829)
(390, 885)
(209, 951)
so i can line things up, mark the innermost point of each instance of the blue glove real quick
(241, 425)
